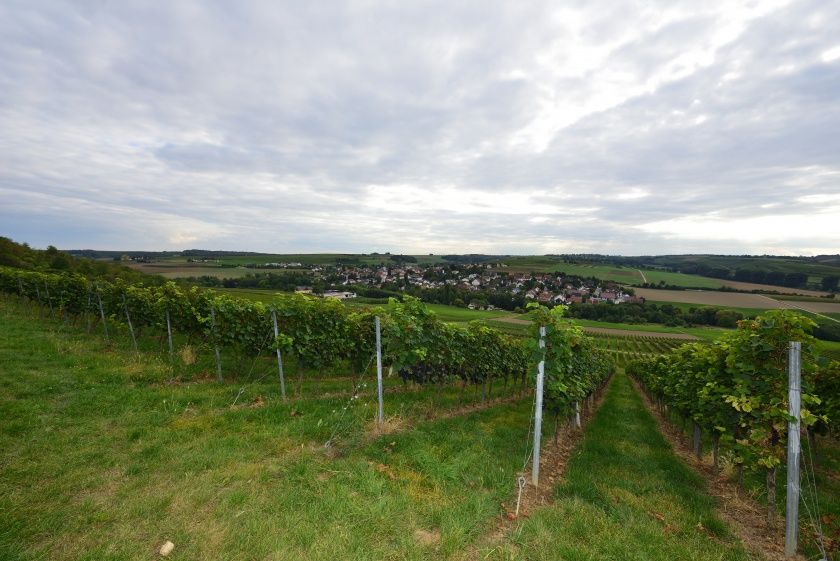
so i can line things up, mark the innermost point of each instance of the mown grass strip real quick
(625, 496)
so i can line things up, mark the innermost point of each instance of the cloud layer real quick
(663, 127)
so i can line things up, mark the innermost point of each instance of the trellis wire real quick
(811, 485)
(354, 396)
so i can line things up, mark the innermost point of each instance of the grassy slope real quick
(686, 306)
(681, 279)
(626, 275)
(763, 263)
(625, 496)
(101, 460)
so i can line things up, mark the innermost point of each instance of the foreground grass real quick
(101, 459)
(625, 496)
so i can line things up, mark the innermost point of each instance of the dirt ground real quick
(780, 289)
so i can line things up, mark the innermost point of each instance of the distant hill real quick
(821, 272)
(21, 256)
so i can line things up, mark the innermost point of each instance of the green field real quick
(616, 273)
(706, 333)
(830, 349)
(323, 258)
(655, 276)
(624, 349)
(687, 306)
(106, 454)
(546, 264)
(810, 267)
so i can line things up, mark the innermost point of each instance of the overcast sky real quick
(517, 127)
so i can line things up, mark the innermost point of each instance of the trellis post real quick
(279, 357)
(380, 416)
(169, 333)
(102, 312)
(535, 469)
(793, 452)
(216, 344)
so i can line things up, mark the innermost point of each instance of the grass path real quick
(626, 496)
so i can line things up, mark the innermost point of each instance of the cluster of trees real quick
(286, 281)
(666, 314)
(757, 276)
(830, 283)
(794, 280)
(744, 268)
(21, 256)
(736, 389)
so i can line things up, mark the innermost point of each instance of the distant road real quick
(644, 278)
(815, 307)
(737, 285)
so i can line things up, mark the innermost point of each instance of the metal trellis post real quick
(793, 454)
(379, 369)
(279, 357)
(535, 469)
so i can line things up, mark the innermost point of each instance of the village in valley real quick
(472, 280)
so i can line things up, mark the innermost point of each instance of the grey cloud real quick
(264, 125)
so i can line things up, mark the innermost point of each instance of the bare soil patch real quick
(738, 285)
(709, 298)
(426, 537)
